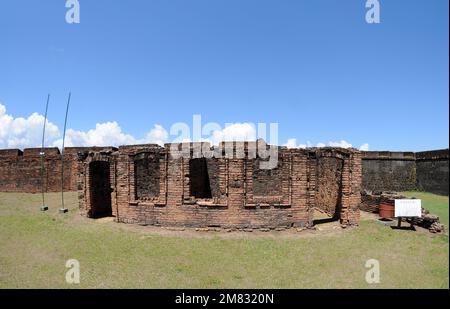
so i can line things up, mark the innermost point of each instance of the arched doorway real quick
(100, 189)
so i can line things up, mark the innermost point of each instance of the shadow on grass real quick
(404, 228)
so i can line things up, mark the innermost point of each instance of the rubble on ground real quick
(371, 200)
(428, 221)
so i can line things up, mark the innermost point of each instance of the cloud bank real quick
(27, 132)
(292, 143)
(24, 132)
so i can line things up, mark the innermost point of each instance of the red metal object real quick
(387, 211)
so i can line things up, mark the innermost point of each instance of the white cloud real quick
(24, 132)
(234, 132)
(157, 135)
(104, 134)
(364, 147)
(27, 132)
(111, 134)
(342, 144)
(292, 143)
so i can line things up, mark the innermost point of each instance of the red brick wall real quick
(329, 184)
(21, 171)
(234, 203)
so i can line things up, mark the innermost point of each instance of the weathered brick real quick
(226, 192)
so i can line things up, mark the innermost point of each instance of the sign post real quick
(63, 209)
(42, 155)
(407, 208)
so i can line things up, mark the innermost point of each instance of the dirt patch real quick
(364, 215)
(331, 228)
(324, 229)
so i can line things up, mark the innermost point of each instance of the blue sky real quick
(314, 67)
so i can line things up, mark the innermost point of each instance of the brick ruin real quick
(148, 185)
(20, 171)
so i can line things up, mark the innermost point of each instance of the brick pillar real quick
(351, 185)
(300, 195)
(236, 184)
(356, 181)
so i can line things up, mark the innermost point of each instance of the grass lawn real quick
(34, 247)
(436, 204)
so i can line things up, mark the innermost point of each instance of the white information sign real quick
(408, 208)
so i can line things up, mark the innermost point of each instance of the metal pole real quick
(63, 209)
(43, 206)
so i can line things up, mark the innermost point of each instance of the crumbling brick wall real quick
(329, 182)
(20, 171)
(147, 173)
(267, 182)
(240, 194)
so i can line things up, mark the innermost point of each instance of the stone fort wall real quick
(432, 171)
(405, 171)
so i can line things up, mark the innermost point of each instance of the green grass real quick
(436, 204)
(34, 247)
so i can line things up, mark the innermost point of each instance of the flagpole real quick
(42, 154)
(63, 209)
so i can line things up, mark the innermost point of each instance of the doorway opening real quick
(199, 185)
(329, 190)
(100, 189)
